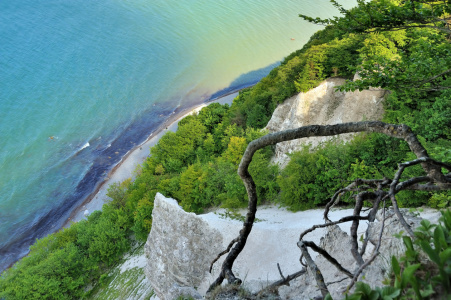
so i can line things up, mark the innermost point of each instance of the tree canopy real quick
(384, 15)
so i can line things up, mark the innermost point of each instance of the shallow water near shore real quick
(83, 82)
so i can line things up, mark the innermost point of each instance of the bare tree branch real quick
(223, 252)
(373, 257)
(432, 169)
(283, 281)
(314, 268)
(342, 220)
(326, 256)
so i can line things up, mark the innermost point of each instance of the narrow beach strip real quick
(128, 164)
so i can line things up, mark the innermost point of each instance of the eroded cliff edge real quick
(181, 246)
(323, 105)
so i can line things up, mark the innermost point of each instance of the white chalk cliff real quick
(181, 246)
(323, 105)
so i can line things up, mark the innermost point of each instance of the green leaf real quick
(395, 265)
(364, 288)
(428, 291)
(374, 295)
(439, 238)
(354, 297)
(430, 252)
(408, 242)
(409, 271)
(390, 292)
(397, 271)
(445, 255)
(425, 225)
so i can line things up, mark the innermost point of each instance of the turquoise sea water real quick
(82, 82)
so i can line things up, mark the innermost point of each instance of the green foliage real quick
(192, 184)
(414, 278)
(143, 218)
(407, 62)
(59, 274)
(60, 265)
(212, 115)
(101, 239)
(297, 182)
(175, 150)
(235, 150)
(118, 192)
(264, 175)
(429, 116)
(335, 58)
(386, 15)
(311, 178)
(364, 292)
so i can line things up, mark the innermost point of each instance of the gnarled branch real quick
(431, 168)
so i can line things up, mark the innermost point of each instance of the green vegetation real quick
(197, 164)
(413, 277)
(125, 281)
(60, 265)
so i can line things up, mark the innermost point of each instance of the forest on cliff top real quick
(401, 46)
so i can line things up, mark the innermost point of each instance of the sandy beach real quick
(126, 167)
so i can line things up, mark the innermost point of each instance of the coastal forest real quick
(401, 46)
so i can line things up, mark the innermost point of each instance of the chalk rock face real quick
(181, 247)
(179, 250)
(323, 106)
(337, 243)
(393, 246)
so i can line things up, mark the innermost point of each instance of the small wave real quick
(83, 147)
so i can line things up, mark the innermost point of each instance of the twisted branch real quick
(314, 268)
(432, 169)
(373, 257)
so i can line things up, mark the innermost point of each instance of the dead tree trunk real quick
(434, 177)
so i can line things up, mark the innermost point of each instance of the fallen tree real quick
(376, 191)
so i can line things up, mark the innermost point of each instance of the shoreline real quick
(124, 169)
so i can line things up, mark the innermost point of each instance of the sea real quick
(82, 82)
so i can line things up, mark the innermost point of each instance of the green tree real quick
(422, 61)
(389, 15)
(235, 149)
(143, 218)
(101, 239)
(192, 184)
(175, 150)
